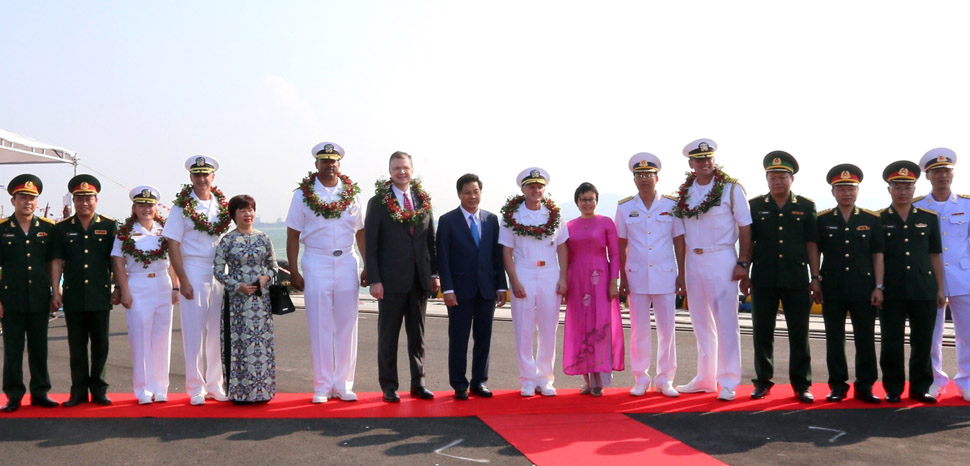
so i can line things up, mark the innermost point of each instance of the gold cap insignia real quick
(704, 147)
(941, 158)
(200, 161)
(85, 186)
(29, 185)
(776, 161)
(535, 174)
(904, 172)
(146, 193)
(328, 149)
(644, 163)
(846, 175)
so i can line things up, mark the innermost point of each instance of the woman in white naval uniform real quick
(142, 271)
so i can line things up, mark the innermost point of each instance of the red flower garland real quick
(128, 247)
(682, 210)
(537, 231)
(201, 221)
(328, 209)
(413, 217)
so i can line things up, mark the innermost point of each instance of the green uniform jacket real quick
(25, 285)
(909, 273)
(779, 259)
(87, 262)
(847, 249)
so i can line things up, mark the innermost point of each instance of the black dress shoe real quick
(924, 398)
(867, 397)
(836, 395)
(481, 391)
(11, 406)
(804, 396)
(893, 398)
(75, 400)
(101, 400)
(422, 393)
(390, 396)
(461, 395)
(43, 402)
(760, 392)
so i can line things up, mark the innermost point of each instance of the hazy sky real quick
(488, 87)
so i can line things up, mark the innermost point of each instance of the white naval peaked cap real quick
(144, 194)
(939, 157)
(201, 164)
(532, 175)
(644, 162)
(700, 149)
(327, 151)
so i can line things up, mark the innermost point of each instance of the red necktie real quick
(408, 207)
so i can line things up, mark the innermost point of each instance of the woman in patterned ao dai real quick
(593, 340)
(247, 323)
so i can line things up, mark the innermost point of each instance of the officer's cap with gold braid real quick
(532, 175)
(902, 171)
(844, 174)
(327, 151)
(939, 157)
(644, 162)
(700, 149)
(27, 184)
(201, 164)
(780, 161)
(82, 185)
(144, 194)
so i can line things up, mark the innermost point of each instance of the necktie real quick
(475, 235)
(408, 207)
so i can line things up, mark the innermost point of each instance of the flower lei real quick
(713, 197)
(537, 231)
(328, 209)
(388, 199)
(201, 221)
(128, 244)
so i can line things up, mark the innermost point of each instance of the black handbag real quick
(279, 298)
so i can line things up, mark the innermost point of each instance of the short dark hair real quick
(584, 188)
(468, 178)
(238, 202)
(400, 155)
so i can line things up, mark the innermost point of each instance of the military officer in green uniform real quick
(82, 250)
(25, 294)
(851, 243)
(914, 286)
(785, 248)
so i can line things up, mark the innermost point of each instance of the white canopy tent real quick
(18, 149)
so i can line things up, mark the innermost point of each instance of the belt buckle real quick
(151, 275)
(337, 253)
(698, 251)
(541, 263)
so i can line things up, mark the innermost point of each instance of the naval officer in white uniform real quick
(326, 216)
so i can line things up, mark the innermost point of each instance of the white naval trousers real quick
(537, 313)
(150, 331)
(664, 309)
(712, 298)
(201, 336)
(960, 312)
(331, 292)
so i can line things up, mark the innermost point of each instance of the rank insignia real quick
(101, 232)
(862, 228)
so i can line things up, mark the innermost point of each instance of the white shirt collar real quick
(477, 214)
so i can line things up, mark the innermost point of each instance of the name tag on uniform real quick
(921, 225)
(862, 228)
(764, 212)
(889, 226)
(634, 214)
(101, 232)
(8, 235)
(832, 227)
(72, 233)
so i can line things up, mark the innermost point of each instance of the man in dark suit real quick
(473, 279)
(400, 267)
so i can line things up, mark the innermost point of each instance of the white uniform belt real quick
(141, 274)
(198, 260)
(329, 252)
(535, 263)
(711, 249)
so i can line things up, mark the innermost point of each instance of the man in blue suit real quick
(473, 279)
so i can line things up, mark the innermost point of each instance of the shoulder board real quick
(63, 220)
(917, 199)
(45, 219)
(927, 211)
(625, 199)
(964, 196)
(805, 198)
(826, 211)
(4, 220)
(755, 198)
(108, 219)
(881, 211)
(671, 197)
(871, 212)
(731, 180)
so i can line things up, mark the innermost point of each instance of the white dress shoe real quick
(218, 396)
(528, 390)
(319, 398)
(548, 390)
(345, 396)
(160, 397)
(197, 400)
(935, 391)
(144, 399)
(639, 389)
(667, 389)
(690, 388)
(726, 394)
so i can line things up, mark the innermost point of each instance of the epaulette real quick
(872, 212)
(62, 220)
(45, 219)
(760, 196)
(964, 196)
(731, 180)
(881, 211)
(917, 199)
(4, 220)
(108, 219)
(927, 211)
(826, 211)
(671, 197)
(806, 198)
(625, 199)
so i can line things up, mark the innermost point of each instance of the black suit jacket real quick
(465, 268)
(394, 255)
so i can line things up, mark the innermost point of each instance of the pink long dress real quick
(593, 340)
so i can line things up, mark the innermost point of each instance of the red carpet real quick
(506, 402)
(612, 439)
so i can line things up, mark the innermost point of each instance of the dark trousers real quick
(764, 312)
(863, 317)
(391, 311)
(892, 321)
(471, 315)
(82, 327)
(25, 329)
